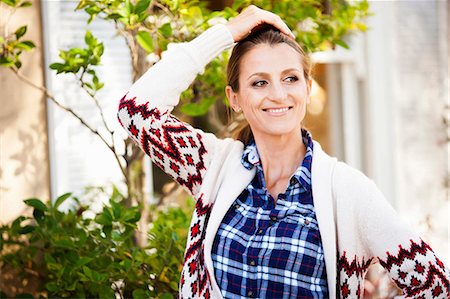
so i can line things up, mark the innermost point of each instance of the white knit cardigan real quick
(356, 223)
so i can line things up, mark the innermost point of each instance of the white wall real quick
(407, 90)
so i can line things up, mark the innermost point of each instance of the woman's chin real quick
(280, 131)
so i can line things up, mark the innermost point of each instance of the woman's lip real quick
(277, 110)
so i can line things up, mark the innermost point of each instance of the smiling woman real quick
(275, 217)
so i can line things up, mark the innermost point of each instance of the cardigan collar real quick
(322, 177)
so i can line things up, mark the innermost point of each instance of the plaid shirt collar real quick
(250, 158)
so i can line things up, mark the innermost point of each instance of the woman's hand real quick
(252, 16)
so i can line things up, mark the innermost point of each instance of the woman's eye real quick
(291, 79)
(259, 83)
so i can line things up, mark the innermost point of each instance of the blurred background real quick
(382, 106)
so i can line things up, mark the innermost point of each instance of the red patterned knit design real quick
(351, 276)
(418, 272)
(173, 145)
(195, 278)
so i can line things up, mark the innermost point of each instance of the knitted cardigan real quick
(356, 223)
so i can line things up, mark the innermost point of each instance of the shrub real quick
(70, 255)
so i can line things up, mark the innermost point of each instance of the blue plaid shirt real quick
(268, 250)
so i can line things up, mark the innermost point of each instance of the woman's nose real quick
(277, 92)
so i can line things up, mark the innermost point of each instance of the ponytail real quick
(243, 132)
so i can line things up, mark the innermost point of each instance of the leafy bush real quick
(70, 255)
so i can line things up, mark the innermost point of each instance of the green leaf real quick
(25, 4)
(174, 285)
(166, 296)
(82, 4)
(20, 31)
(140, 294)
(82, 261)
(141, 6)
(166, 30)
(36, 203)
(145, 41)
(105, 218)
(342, 44)
(87, 272)
(26, 229)
(18, 64)
(131, 216)
(6, 62)
(64, 243)
(59, 67)
(39, 216)
(116, 236)
(26, 45)
(51, 286)
(117, 209)
(9, 2)
(89, 39)
(106, 292)
(49, 259)
(114, 16)
(62, 198)
(129, 7)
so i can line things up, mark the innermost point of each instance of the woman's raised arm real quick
(145, 110)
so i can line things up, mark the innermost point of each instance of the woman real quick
(275, 216)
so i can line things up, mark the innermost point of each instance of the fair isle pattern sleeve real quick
(380, 234)
(418, 271)
(410, 262)
(174, 146)
(177, 148)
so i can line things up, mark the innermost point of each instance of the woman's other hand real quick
(251, 17)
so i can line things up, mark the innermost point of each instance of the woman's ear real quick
(232, 98)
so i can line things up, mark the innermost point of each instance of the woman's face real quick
(273, 91)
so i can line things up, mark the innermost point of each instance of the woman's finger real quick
(277, 22)
(253, 16)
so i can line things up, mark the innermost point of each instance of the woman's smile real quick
(277, 111)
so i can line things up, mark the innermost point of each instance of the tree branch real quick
(69, 110)
(97, 104)
(132, 47)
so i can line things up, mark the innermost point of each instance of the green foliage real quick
(16, 3)
(96, 257)
(319, 25)
(82, 61)
(12, 46)
(168, 236)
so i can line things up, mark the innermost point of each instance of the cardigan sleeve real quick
(178, 149)
(410, 262)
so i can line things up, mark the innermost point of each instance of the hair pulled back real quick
(264, 34)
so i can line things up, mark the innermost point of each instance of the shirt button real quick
(260, 231)
(237, 206)
(250, 294)
(252, 263)
(293, 181)
(306, 221)
(273, 218)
